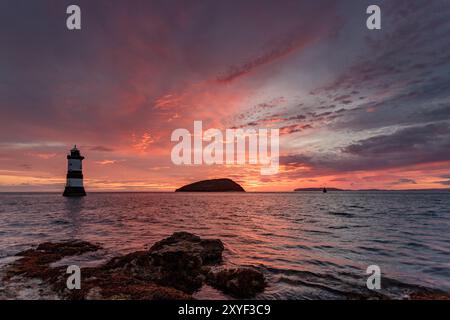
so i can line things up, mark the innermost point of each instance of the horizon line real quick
(239, 192)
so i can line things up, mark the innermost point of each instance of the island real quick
(213, 185)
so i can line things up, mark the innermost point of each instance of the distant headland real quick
(375, 190)
(213, 185)
(318, 189)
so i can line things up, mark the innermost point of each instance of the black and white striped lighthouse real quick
(74, 184)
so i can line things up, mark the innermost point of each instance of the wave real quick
(342, 214)
(342, 285)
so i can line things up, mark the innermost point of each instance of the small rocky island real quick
(173, 268)
(214, 185)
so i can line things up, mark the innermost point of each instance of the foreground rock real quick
(35, 262)
(179, 261)
(214, 185)
(429, 296)
(172, 268)
(97, 283)
(238, 282)
(182, 259)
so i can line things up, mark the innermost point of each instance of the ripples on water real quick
(310, 245)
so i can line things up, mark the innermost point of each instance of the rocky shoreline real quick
(173, 268)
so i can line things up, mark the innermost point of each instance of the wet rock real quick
(178, 269)
(178, 260)
(120, 278)
(109, 284)
(209, 251)
(35, 262)
(172, 268)
(238, 282)
(429, 296)
(136, 264)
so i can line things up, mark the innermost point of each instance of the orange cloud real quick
(143, 142)
(106, 162)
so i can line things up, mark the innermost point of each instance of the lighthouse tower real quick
(74, 184)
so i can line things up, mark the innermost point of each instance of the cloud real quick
(404, 147)
(404, 181)
(31, 145)
(420, 143)
(294, 128)
(283, 50)
(45, 156)
(143, 142)
(106, 162)
(100, 148)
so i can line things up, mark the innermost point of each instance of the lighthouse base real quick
(74, 192)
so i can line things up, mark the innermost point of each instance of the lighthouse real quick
(74, 184)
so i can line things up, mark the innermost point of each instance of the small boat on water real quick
(324, 190)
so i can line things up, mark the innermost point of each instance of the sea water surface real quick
(309, 245)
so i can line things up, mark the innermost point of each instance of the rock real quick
(177, 262)
(429, 296)
(35, 262)
(125, 277)
(102, 283)
(136, 264)
(238, 282)
(177, 269)
(208, 250)
(172, 268)
(214, 185)
(179, 259)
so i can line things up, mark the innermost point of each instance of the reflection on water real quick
(73, 208)
(310, 245)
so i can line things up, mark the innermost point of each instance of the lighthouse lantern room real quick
(74, 184)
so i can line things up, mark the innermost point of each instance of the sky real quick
(356, 108)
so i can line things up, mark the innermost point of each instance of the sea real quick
(309, 245)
